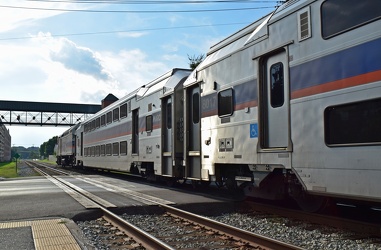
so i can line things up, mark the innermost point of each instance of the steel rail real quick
(234, 232)
(143, 238)
(147, 240)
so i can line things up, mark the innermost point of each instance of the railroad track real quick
(211, 232)
(357, 226)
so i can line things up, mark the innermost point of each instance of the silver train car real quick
(135, 133)
(289, 106)
(66, 150)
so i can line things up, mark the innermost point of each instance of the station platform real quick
(41, 234)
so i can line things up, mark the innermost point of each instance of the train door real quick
(193, 148)
(135, 132)
(274, 102)
(167, 136)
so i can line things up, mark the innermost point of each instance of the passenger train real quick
(289, 106)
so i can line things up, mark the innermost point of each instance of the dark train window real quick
(123, 147)
(115, 148)
(225, 102)
(355, 123)
(116, 114)
(277, 85)
(93, 151)
(123, 110)
(149, 123)
(338, 16)
(108, 149)
(109, 117)
(103, 120)
(103, 149)
(98, 122)
(169, 115)
(97, 150)
(196, 108)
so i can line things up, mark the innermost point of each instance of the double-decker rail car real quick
(126, 135)
(291, 105)
(66, 150)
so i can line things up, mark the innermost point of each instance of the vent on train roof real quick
(304, 24)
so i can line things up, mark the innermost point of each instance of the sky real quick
(79, 51)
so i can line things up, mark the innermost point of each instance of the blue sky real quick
(79, 51)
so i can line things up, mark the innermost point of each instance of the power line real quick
(126, 31)
(154, 2)
(133, 11)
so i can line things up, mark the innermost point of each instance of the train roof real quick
(74, 127)
(167, 82)
(240, 39)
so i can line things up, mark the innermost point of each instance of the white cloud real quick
(80, 59)
(11, 18)
(132, 34)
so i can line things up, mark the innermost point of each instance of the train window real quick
(123, 147)
(338, 16)
(97, 150)
(103, 149)
(225, 102)
(277, 85)
(115, 148)
(123, 111)
(109, 117)
(116, 114)
(149, 123)
(169, 115)
(196, 108)
(92, 124)
(98, 122)
(93, 151)
(103, 120)
(353, 124)
(108, 149)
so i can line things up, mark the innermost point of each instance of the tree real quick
(194, 61)
(47, 148)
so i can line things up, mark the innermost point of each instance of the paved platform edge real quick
(51, 233)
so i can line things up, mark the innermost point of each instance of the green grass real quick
(47, 161)
(8, 170)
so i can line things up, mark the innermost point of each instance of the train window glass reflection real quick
(277, 85)
(103, 149)
(169, 115)
(196, 108)
(109, 117)
(123, 147)
(97, 150)
(149, 124)
(116, 114)
(225, 102)
(115, 148)
(98, 122)
(338, 16)
(355, 123)
(103, 120)
(108, 149)
(123, 110)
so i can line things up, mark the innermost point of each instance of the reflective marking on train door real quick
(194, 147)
(276, 102)
(167, 136)
(135, 131)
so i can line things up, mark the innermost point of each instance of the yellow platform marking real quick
(47, 234)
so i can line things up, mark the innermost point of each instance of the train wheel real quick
(311, 203)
